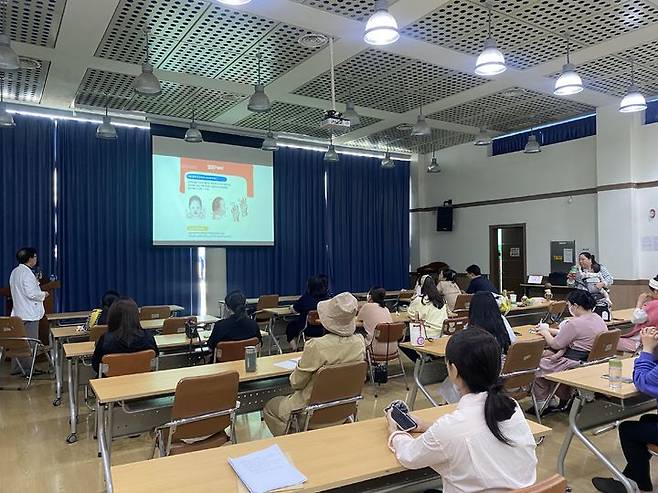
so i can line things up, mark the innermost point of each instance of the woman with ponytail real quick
(237, 327)
(485, 444)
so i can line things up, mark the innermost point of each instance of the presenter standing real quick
(27, 299)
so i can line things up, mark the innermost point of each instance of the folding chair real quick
(390, 334)
(554, 484)
(233, 350)
(462, 304)
(520, 368)
(176, 325)
(263, 319)
(555, 312)
(203, 408)
(404, 298)
(96, 332)
(313, 328)
(15, 343)
(154, 312)
(336, 392)
(453, 325)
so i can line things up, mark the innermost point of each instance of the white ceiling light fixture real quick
(331, 156)
(351, 114)
(147, 84)
(387, 161)
(8, 58)
(234, 2)
(483, 138)
(633, 100)
(381, 28)
(491, 61)
(6, 120)
(532, 146)
(106, 130)
(421, 128)
(569, 82)
(259, 102)
(269, 142)
(193, 134)
(434, 164)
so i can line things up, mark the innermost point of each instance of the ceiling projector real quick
(334, 121)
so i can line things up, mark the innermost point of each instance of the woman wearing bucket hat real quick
(339, 345)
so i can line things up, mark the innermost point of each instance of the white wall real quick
(469, 175)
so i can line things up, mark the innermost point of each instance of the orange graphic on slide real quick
(245, 171)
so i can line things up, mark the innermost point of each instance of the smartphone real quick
(403, 420)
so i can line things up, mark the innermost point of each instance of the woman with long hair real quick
(429, 307)
(484, 313)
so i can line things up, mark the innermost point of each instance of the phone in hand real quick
(403, 420)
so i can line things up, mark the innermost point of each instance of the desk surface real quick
(591, 378)
(281, 311)
(72, 330)
(169, 341)
(54, 317)
(329, 458)
(126, 387)
(437, 347)
(621, 317)
(537, 306)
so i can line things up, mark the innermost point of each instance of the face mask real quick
(572, 310)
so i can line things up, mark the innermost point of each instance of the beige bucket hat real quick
(338, 315)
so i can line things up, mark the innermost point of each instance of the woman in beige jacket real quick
(339, 345)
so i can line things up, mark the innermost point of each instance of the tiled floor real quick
(34, 456)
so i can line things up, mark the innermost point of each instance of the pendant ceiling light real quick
(491, 61)
(381, 28)
(331, 156)
(569, 81)
(147, 84)
(6, 120)
(483, 138)
(106, 130)
(269, 142)
(434, 164)
(633, 100)
(421, 128)
(8, 58)
(387, 161)
(193, 134)
(259, 102)
(234, 2)
(351, 114)
(532, 147)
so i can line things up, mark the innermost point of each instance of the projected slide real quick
(204, 202)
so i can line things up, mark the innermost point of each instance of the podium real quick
(48, 304)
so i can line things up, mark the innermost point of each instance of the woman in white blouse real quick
(485, 445)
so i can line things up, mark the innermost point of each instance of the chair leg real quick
(34, 361)
(534, 404)
(372, 373)
(404, 374)
(549, 398)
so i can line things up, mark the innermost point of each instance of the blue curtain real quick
(27, 157)
(299, 249)
(651, 114)
(368, 224)
(553, 134)
(105, 226)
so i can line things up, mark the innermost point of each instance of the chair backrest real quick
(127, 363)
(266, 301)
(463, 301)
(522, 358)
(154, 312)
(554, 484)
(333, 384)
(406, 295)
(176, 325)
(605, 346)
(389, 332)
(557, 308)
(453, 325)
(11, 330)
(233, 350)
(196, 396)
(96, 332)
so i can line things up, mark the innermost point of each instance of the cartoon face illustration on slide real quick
(218, 208)
(195, 208)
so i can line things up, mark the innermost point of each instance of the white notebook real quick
(289, 364)
(266, 470)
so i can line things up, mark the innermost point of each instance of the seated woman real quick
(568, 345)
(316, 291)
(447, 287)
(338, 345)
(636, 435)
(373, 313)
(430, 308)
(124, 333)
(644, 315)
(107, 300)
(485, 314)
(237, 327)
(485, 444)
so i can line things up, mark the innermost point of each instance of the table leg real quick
(578, 405)
(105, 454)
(73, 419)
(411, 398)
(418, 371)
(273, 339)
(57, 360)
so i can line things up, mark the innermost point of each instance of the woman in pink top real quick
(568, 345)
(373, 313)
(644, 315)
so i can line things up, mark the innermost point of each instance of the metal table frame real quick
(418, 371)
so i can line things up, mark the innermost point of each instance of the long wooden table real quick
(589, 414)
(112, 390)
(329, 458)
(437, 349)
(61, 335)
(58, 318)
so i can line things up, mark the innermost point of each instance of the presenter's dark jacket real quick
(234, 328)
(481, 283)
(108, 343)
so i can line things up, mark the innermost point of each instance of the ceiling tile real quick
(34, 22)
(25, 84)
(355, 9)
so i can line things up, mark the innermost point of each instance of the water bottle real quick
(250, 358)
(614, 374)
